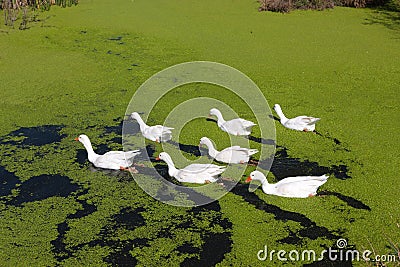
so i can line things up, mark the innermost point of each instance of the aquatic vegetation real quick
(57, 209)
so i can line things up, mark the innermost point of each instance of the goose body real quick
(299, 187)
(114, 160)
(300, 123)
(157, 133)
(237, 126)
(194, 173)
(233, 154)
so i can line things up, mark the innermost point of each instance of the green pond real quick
(75, 70)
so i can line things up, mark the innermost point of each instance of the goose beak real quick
(158, 158)
(248, 179)
(209, 115)
(76, 139)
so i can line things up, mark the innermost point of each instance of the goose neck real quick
(220, 119)
(211, 150)
(91, 154)
(281, 115)
(171, 167)
(142, 124)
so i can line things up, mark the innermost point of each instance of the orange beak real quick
(76, 139)
(158, 158)
(248, 179)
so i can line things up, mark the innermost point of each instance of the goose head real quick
(277, 107)
(84, 139)
(256, 175)
(88, 145)
(135, 116)
(205, 141)
(215, 112)
(165, 157)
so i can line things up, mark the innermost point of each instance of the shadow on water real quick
(190, 149)
(352, 202)
(8, 181)
(34, 136)
(42, 187)
(169, 193)
(284, 166)
(309, 228)
(131, 127)
(261, 140)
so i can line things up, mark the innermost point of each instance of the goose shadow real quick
(281, 165)
(261, 140)
(350, 201)
(190, 149)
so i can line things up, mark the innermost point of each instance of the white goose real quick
(300, 123)
(237, 126)
(233, 154)
(157, 133)
(300, 186)
(194, 173)
(114, 160)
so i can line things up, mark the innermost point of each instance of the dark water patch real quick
(213, 251)
(102, 149)
(86, 210)
(34, 136)
(261, 140)
(121, 256)
(59, 250)
(116, 140)
(340, 171)
(210, 206)
(190, 149)
(215, 245)
(309, 228)
(42, 187)
(130, 219)
(8, 181)
(285, 166)
(81, 157)
(187, 248)
(350, 201)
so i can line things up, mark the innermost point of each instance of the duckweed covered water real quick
(57, 210)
